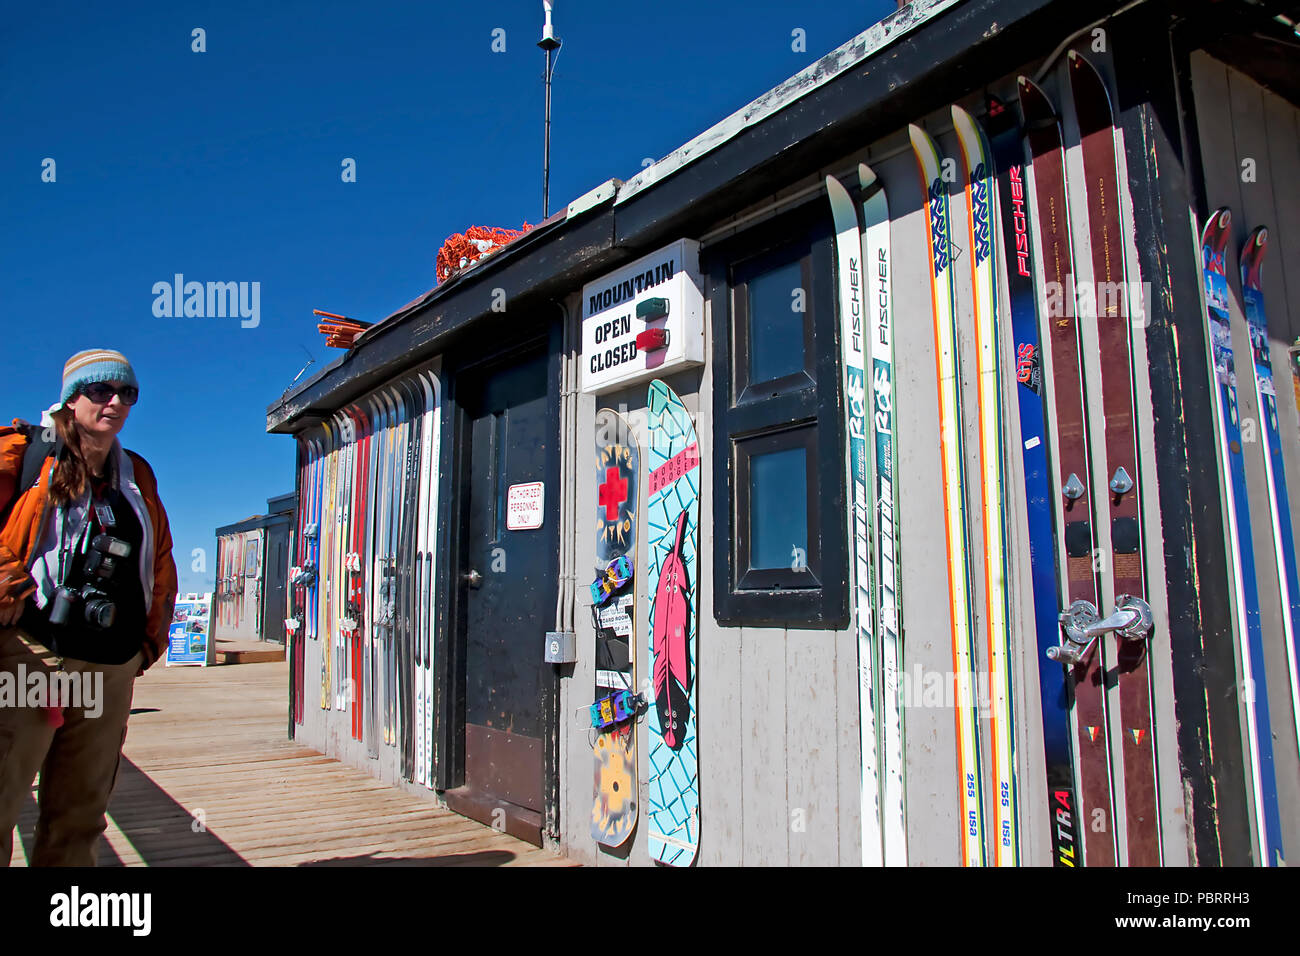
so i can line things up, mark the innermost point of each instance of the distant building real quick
(252, 564)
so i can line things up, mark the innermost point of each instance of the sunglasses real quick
(101, 393)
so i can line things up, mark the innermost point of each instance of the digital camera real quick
(97, 608)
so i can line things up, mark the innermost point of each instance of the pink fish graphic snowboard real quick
(673, 518)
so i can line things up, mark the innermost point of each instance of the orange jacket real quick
(21, 535)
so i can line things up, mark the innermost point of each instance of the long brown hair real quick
(70, 475)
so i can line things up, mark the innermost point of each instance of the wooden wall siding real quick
(1240, 120)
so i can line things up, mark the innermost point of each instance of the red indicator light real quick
(651, 339)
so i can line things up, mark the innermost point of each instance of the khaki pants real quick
(77, 761)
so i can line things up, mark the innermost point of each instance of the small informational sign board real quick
(644, 321)
(188, 637)
(615, 621)
(524, 505)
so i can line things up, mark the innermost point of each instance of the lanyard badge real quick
(104, 511)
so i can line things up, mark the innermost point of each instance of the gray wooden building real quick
(252, 564)
(1205, 102)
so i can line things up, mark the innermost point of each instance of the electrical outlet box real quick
(561, 647)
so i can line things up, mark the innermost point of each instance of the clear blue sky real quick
(225, 166)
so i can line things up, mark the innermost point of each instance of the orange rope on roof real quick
(462, 250)
(459, 252)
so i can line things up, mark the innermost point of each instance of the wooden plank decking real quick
(209, 778)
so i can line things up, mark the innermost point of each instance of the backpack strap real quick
(38, 450)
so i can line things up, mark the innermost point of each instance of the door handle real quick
(473, 579)
(1131, 620)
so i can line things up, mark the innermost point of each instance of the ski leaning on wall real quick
(1130, 618)
(357, 609)
(1079, 651)
(981, 233)
(878, 264)
(429, 570)
(325, 592)
(957, 537)
(848, 249)
(1241, 556)
(1252, 296)
(382, 414)
(1017, 259)
(673, 518)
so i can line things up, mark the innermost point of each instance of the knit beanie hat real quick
(95, 365)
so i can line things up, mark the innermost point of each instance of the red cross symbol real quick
(613, 492)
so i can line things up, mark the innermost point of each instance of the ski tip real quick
(920, 138)
(967, 129)
(1080, 62)
(836, 190)
(1027, 85)
(1216, 223)
(1082, 71)
(866, 176)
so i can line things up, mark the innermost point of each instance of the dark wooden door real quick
(508, 595)
(274, 606)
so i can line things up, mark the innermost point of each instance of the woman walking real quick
(87, 588)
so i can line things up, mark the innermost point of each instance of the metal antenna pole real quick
(550, 44)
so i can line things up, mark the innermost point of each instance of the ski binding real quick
(616, 708)
(611, 579)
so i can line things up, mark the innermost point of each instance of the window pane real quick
(775, 328)
(778, 509)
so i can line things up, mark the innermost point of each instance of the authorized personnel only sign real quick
(524, 506)
(645, 320)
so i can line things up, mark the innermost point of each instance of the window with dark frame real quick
(778, 431)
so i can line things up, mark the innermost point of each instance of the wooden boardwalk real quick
(208, 778)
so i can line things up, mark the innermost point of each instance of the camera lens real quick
(100, 613)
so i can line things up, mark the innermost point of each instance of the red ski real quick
(1080, 651)
(1131, 616)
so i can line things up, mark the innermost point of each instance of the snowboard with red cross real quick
(614, 810)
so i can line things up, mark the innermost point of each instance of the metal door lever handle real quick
(1131, 620)
(1121, 619)
(1133, 616)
